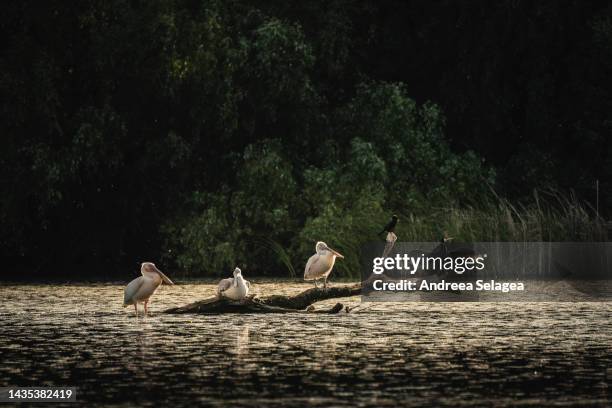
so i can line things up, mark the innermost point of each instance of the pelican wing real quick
(224, 285)
(318, 266)
(131, 289)
(312, 262)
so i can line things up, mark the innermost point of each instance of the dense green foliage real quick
(211, 133)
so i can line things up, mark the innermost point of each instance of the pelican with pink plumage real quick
(320, 265)
(142, 288)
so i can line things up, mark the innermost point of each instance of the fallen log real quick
(300, 303)
(306, 298)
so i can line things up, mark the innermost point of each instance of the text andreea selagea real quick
(424, 285)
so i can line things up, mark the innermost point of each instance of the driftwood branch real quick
(300, 303)
(308, 297)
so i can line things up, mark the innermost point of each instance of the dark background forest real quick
(205, 134)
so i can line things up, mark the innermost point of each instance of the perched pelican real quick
(143, 287)
(236, 288)
(320, 264)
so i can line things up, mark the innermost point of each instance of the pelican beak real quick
(333, 251)
(164, 277)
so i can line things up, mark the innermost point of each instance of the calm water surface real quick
(384, 354)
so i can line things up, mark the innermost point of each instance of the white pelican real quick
(143, 287)
(236, 288)
(320, 264)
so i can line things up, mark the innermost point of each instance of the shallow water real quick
(384, 354)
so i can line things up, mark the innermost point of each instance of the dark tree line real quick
(208, 133)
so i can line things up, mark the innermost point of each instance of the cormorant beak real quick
(333, 251)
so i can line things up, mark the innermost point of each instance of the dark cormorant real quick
(390, 238)
(390, 227)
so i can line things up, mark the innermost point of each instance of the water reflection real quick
(412, 354)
